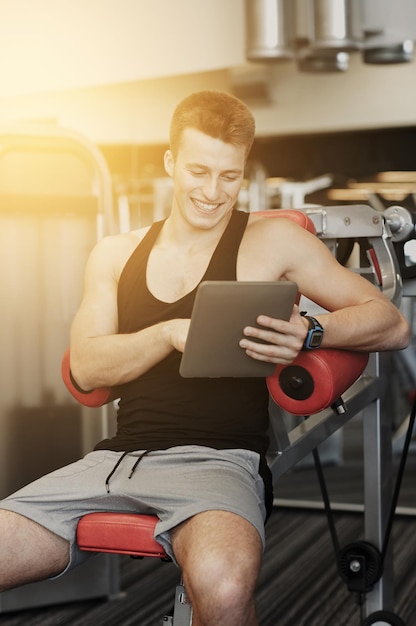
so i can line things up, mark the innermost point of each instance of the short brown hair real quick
(215, 113)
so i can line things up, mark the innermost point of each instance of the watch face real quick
(316, 339)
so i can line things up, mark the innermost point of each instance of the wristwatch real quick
(315, 334)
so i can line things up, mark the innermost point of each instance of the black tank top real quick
(160, 409)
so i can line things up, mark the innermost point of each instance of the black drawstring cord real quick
(107, 480)
(137, 462)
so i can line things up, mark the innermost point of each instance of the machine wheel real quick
(359, 565)
(383, 618)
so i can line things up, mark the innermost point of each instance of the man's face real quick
(207, 176)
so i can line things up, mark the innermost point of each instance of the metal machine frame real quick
(373, 233)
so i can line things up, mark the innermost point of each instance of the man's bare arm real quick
(100, 355)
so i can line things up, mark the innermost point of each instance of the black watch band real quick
(315, 334)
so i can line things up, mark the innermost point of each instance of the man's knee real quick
(220, 557)
(230, 580)
(221, 589)
(28, 551)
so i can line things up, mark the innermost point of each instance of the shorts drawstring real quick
(107, 480)
(133, 469)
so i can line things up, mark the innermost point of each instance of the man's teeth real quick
(204, 206)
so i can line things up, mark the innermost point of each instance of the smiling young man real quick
(191, 451)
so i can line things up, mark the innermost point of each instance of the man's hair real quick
(215, 113)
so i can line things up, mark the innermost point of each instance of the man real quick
(191, 451)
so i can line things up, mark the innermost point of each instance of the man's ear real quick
(169, 163)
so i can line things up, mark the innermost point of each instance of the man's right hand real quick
(177, 332)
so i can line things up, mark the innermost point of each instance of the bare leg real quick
(220, 556)
(28, 551)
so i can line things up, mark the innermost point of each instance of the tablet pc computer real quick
(221, 310)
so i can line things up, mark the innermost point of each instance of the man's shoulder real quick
(120, 242)
(115, 250)
(273, 242)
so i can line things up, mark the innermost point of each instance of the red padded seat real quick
(119, 533)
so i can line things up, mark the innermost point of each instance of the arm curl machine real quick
(328, 387)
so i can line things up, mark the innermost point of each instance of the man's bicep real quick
(97, 313)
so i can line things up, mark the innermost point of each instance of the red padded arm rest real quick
(315, 380)
(94, 398)
(119, 533)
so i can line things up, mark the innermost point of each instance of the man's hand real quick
(283, 340)
(176, 332)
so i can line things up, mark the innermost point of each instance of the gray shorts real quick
(173, 484)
